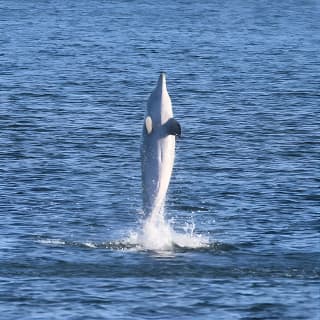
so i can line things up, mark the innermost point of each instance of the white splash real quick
(157, 234)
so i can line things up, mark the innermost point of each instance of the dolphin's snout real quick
(162, 80)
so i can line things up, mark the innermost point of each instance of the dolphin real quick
(159, 134)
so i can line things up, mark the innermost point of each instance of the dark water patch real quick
(190, 208)
(162, 267)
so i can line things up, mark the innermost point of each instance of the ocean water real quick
(241, 232)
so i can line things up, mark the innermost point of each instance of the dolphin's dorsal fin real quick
(173, 127)
(148, 123)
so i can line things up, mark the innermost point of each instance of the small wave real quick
(90, 244)
(52, 241)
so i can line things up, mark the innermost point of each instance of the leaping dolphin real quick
(160, 130)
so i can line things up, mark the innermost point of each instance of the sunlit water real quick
(239, 238)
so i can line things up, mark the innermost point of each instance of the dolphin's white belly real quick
(157, 164)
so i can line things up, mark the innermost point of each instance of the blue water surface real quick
(244, 81)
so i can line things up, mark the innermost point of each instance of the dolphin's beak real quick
(162, 80)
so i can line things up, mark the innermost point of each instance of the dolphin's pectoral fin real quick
(173, 127)
(148, 124)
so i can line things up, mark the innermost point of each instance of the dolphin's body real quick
(158, 147)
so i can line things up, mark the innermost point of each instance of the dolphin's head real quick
(159, 106)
